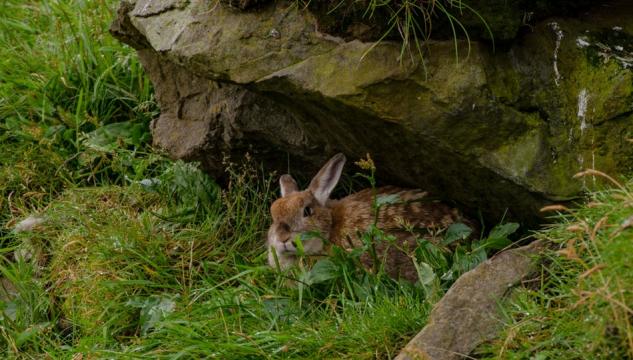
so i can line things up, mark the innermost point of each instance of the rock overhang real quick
(498, 130)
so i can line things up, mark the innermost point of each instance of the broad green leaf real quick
(299, 244)
(281, 308)
(107, 137)
(495, 243)
(153, 309)
(322, 271)
(31, 333)
(498, 237)
(9, 309)
(455, 232)
(503, 230)
(463, 261)
(425, 273)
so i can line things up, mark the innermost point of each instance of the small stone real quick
(582, 42)
(28, 224)
(274, 33)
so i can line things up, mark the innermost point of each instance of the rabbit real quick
(311, 216)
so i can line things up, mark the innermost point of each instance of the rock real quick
(29, 224)
(27, 249)
(498, 130)
(469, 312)
(203, 120)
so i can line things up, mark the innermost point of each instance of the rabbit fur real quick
(310, 216)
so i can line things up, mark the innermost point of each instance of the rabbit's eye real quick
(307, 211)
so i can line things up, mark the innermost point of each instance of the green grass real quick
(177, 268)
(129, 271)
(62, 76)
(139, 256)
(143, 257)
(171, 266)
(581, 309)
(409, 21)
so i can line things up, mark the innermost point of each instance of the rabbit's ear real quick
(326, 179)
(288, 185)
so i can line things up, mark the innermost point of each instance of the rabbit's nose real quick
(284, 232)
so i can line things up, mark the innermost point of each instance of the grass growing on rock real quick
(409, 21)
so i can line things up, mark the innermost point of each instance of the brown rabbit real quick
(310, 216)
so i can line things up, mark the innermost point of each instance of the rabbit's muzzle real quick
(284, 246)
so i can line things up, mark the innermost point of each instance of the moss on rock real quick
(492, 130)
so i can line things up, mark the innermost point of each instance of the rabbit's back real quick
(399, 210)
(407, 214)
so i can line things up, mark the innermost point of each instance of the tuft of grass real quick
(61, 66)
(582, 308)
(413, 21)
(410, 21)
(110, 260)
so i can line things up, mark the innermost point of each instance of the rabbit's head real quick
(302, 216)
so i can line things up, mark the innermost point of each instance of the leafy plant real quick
(153, 309)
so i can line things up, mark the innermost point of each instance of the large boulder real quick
(494, 130)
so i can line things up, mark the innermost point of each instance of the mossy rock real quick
(493, 130)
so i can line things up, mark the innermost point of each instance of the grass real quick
(144, 270)
(142, 257)
(63, 76)
(581, 309)
(139, 256)
(412, 22)
(127, 271)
